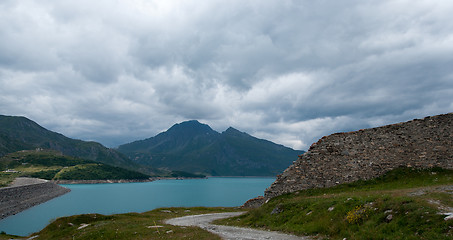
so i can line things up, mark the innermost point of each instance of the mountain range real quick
(187, 147)
(20, 133)
(195, 147)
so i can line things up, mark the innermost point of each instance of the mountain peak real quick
(232, 130)
(190, 127)
(193, 121)
(190, 123)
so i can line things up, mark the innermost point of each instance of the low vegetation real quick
(148, 225)
(403, 204)
(52, 165)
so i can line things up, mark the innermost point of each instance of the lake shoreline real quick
(101, 181)
(151, 179)
(24, 192)
(120, 180)
(33, 191)
(121, 198)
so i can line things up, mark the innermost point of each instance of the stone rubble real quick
(369, 153)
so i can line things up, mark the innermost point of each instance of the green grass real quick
(359, 210)
(127, 226)
(400, 178)
(7, 178)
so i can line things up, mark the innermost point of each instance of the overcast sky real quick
(287, 71)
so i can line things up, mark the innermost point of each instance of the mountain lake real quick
(137, 197)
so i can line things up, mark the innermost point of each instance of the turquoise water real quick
(136, 197)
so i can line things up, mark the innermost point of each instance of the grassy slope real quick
(127, 226)
(361, 210)
(53, 165)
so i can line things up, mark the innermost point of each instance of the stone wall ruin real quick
(369, 153)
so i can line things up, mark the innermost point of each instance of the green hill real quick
(52, 165)
(20, 133)
(194, 147)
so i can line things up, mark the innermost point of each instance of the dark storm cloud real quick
(288, 71)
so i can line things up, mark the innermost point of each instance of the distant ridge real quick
(195, 147)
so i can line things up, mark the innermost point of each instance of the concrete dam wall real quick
(16, 199)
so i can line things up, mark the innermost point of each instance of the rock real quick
(276, 210)
(155, 226)
(82, 226)
(389, 218)
(254, 202)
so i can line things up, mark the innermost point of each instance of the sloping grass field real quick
(403, 204)
(148, 225)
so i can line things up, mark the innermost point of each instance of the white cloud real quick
(287, 71)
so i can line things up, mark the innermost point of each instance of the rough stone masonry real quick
(365, 154)
(16, 199)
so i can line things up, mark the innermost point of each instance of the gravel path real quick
(23, 181)
(227, 232)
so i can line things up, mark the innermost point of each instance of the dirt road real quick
(227, 232)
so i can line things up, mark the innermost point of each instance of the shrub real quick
(358, 214)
